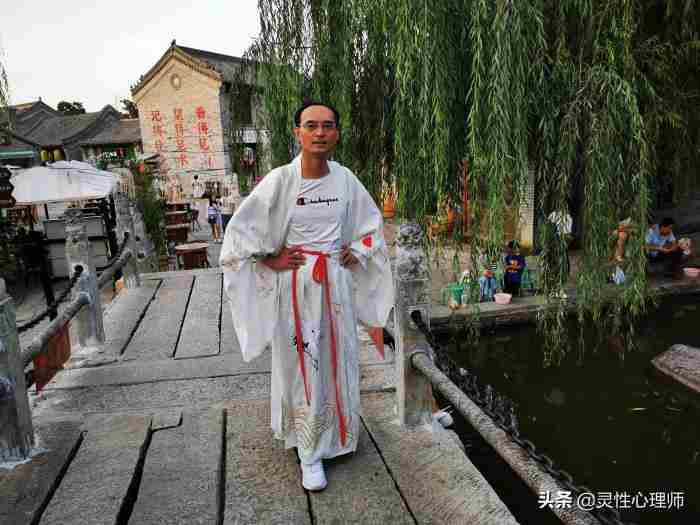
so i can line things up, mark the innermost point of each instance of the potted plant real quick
(388, 199)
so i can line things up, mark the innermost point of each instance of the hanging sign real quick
(6, 187)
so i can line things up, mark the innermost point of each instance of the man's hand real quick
(286, 259)
(347, 258)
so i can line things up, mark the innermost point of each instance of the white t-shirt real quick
(318, 215)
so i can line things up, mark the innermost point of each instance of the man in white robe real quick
(304, 259)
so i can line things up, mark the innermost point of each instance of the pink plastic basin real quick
(502, 298)
(692, 272)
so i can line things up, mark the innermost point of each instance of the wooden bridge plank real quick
(262, 478)
(97, 480)
(180, 482)
(200, 330)
(157, 334)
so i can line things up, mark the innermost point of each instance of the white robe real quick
(261, 307)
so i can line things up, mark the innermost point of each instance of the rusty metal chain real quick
(501, 410)
(53, 307)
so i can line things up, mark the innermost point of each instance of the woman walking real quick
(214, 219)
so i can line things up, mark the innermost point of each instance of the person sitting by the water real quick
(487, 285)
(620, 235)
(661, 246)
(515, 264)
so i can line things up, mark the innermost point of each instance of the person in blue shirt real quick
(514, 266)
(661, 246)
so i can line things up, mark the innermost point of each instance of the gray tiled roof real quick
(125, 131)
(227, 65)
(53, 130)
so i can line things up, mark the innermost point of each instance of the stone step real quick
(95, 486)
(25, 488)
(181, 481)
(157, 335)
(360, 489)
(262, 479)
(682, 363)
(200, 330)
(420, 458)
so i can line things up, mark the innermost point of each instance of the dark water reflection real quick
(606, 416)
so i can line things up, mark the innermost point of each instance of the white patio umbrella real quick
(62, 181)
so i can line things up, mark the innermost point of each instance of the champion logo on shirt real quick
(303, 201)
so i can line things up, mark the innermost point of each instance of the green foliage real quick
(599, 99)
(152, 207)
(130, 107)
(70, 108)
(4, 93)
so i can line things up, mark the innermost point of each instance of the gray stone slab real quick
(200, 330)
(180, 482)
(262, 478)
(180, 273)
(360, 490)
(23, 489)
(377, 378)
(158, 332)
(152, 396)
(93, 489)
(682, 363)
(437, 479)
(123, 315)
(134, 372)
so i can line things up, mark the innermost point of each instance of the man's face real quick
(317, 133)
(666, 230)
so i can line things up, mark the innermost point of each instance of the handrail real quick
(108, 274)
(53, 306)
(41, 340)
(526, 467)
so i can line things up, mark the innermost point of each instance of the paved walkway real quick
(173, 427)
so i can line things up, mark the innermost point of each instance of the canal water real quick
(604, 415)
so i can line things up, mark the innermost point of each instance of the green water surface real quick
(605, 415)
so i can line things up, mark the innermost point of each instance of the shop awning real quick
(18, 154)
(62, 181)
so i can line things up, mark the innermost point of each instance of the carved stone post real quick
(125, 224)
(413, 391)
(91, 331)
(139, 235)
(16, 432)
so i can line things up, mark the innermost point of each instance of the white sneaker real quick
(313, 477)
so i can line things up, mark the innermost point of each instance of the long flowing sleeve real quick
(374, 294)
(256, 230)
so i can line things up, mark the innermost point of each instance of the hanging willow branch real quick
(598, 99)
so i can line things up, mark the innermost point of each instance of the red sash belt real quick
(320, 275)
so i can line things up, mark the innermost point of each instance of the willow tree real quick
(4, 92)
(599, 99)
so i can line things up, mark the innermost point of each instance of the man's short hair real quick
(668, 221)
(308, 104)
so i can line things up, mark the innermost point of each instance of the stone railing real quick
(85, 309)
(417, 373)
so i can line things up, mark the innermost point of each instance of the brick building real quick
(185, 102)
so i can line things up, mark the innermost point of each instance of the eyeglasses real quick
(311, 125)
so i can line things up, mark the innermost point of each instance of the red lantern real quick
(142, 168)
